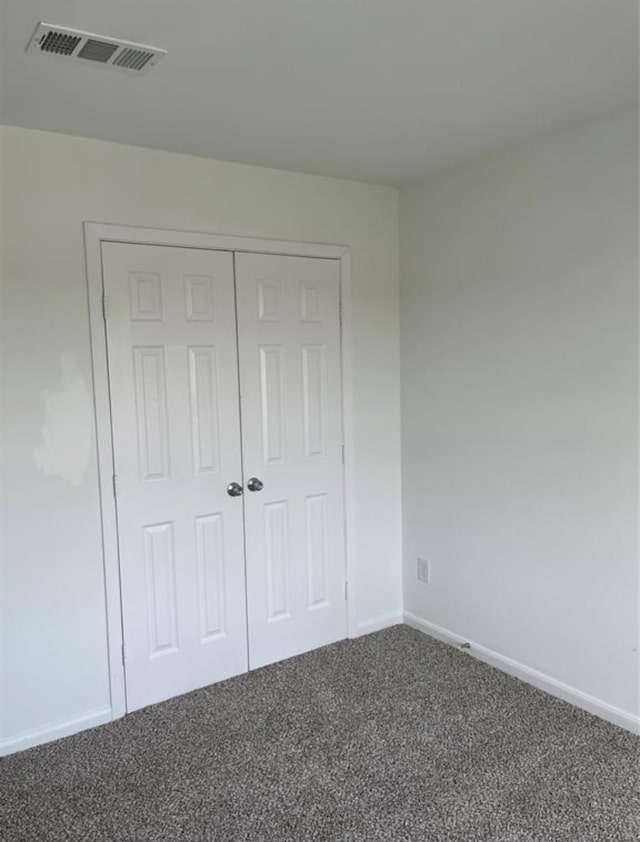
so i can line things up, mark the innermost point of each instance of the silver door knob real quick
(234, 489)
(255, 484)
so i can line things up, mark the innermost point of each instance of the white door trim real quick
(94, 235)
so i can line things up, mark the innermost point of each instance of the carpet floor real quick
(393, 736)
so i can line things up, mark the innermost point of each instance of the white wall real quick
(520, 412)
(519, 324)
(53, 616)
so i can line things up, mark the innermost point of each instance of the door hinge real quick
(104, 307)
(124, 655)
(115, 485)
(343, 461)
(346, 590)
(341, 311)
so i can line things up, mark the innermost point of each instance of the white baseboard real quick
(384, 621)
(550, 685)
(55, 731)
(544, 682)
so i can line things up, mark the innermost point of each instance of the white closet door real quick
(290, 385)
(174, 394)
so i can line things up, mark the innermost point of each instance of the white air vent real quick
(71, 44)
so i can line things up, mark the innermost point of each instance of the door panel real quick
(290, 384)
(176, 431)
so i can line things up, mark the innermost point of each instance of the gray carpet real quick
(388, 737)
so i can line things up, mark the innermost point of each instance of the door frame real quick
(96, 233)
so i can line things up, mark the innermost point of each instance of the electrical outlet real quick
(424, 571)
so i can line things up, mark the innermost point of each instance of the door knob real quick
(234, 489)
(255, 484)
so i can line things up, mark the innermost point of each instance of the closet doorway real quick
(226, 452)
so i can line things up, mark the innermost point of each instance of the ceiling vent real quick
(73, 45)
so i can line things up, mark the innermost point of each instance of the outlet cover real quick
(424, 572)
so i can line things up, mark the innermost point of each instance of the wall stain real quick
(65, 447)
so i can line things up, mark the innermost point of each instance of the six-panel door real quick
(290, 385)
(176, 433)
(198, 566)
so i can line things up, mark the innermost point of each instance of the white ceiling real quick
(379, 90)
